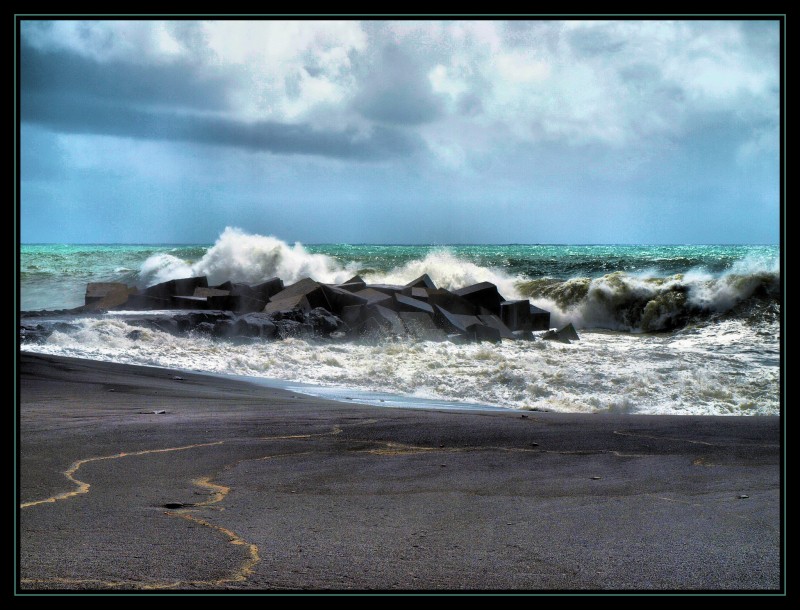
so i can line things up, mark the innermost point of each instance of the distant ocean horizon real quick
(686, 329)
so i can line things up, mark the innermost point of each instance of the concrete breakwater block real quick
(453, 322)
(423, 281)
(289, 303)
(540, 319)
(420, 326)
(481, 332)
(309, 308)
(387, 318)
(105, 295)
(255, 325)
(339, 298)
(451, 302)
(310, 289)
(375, 297)
(564, 335)
(484, 294)
(354, 284)
(496, 323)
(516, 315)
(407, 303)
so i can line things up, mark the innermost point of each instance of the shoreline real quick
(282, 491)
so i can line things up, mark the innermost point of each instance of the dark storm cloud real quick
(76, 114)
(173, 84)
(68, 93)
(397, 90)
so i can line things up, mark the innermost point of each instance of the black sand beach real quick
(270, 490)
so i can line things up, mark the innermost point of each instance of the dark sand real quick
(292, 492)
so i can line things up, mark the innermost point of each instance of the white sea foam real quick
(244, 257)
(619, 301)
(704, 370)
(450, 272)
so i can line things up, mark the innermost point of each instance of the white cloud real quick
(615, 83)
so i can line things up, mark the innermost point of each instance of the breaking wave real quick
(638, 302)
(619, 301)
(243, 257)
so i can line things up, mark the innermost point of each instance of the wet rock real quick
(30, 333)
(323, 322)
(291, 329)
(134, 335)
(205, 328)
(191, 319)
(256, 325)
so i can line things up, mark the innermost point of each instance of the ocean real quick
(678, 329)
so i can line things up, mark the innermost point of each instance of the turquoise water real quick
(663, 329)
(54, 276)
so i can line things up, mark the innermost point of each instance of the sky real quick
(431, 132)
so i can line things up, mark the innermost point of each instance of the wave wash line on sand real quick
(307, 308)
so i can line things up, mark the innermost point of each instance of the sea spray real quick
(242, 257)
(722, 304)
(702, 370)
(621, 301)
(625, 288)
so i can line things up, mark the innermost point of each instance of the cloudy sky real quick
(400, 131)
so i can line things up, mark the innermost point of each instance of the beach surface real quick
(241, 486)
